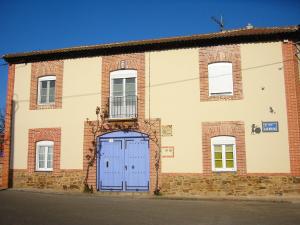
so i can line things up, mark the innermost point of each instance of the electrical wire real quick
(170, 82)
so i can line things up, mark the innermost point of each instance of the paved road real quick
(18, 207)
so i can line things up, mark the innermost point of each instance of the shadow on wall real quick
(15, 107)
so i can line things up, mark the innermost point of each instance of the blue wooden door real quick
(111, 165)
(136, 164)
(123, 162)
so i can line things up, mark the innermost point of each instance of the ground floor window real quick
(44, 155)
(223, 149)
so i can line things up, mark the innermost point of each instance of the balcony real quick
(123, 107)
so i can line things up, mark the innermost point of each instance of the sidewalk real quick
(291, 199)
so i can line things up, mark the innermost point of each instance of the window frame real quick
(223, 140)
(46, 78)
(121, 74)
(46, 144)
(231, 88)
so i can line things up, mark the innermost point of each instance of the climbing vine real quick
(101, 126)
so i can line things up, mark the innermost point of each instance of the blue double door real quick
(123, 162)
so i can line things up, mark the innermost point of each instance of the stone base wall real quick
(64, 180)
(229, 185)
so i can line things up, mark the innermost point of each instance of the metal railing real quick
(123, 107)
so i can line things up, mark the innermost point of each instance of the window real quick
(220, 78)
(44, 155)
(123, 99)
(46, 90)
(223, 151)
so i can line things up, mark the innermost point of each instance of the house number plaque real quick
(167, 151)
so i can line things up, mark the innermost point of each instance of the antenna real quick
(219, 22)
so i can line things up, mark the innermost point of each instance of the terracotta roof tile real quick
(226, 36)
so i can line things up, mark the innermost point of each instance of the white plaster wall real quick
(175, 98)
(81, 95)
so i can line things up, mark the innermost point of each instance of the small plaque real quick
(166, 130)
(270, 126)
(167, 152)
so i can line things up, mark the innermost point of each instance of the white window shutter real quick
(220, 78)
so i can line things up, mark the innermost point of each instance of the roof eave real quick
(149, 45)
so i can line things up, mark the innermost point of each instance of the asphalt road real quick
(19, 207)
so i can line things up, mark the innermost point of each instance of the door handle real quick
(125, 167)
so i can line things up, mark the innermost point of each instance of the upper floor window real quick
(123, 94)
(46, 90)
(223, 151)
(44, 155)
(220, 79)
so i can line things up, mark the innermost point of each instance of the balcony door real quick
(123, 97)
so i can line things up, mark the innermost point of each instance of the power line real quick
(170, 82)
(220, 75)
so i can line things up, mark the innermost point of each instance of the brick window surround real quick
(134, 61)
(224, 128)
(41, 69)
(44, 134)
(221, 53)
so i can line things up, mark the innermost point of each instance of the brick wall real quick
(44, 134)
(46, 68)
(221, 53)
(292, 90)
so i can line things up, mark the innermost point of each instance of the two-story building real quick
(208, 114)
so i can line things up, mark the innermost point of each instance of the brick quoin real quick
(226, 128)
(292, 91)
(44, 134)
(41, 69)
(221, 53)
(8, 126)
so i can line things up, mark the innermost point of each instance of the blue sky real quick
(39, 25)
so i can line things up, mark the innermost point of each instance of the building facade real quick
(212, 114)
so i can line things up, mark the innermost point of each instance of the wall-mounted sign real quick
(271, 126)
(166, 130)
(167, 151)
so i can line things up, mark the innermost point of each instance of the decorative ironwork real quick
(123, 107)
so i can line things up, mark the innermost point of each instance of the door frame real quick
(120, 135)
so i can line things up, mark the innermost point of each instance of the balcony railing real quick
(123, 107)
